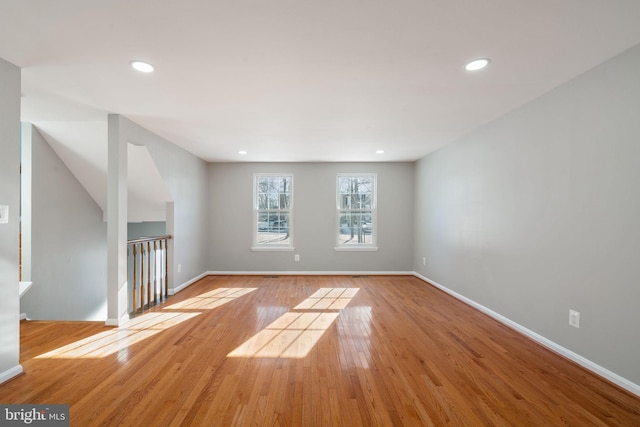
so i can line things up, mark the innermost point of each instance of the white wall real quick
(539, 212)
(231, 236)
(69, 242)
(9, 233)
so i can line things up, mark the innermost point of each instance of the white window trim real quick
(288, 247)
(265, 248)
(373, 246)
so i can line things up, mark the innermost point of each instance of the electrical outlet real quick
(574, 318)
(424, 260)
(179, 268)
(296, 257)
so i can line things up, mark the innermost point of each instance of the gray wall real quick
(231, 189)
(25, 199)
(186, 178)
(137, 230)
(538, 213)
(69, 243)
(9, 240)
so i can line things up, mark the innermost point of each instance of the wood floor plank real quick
(399, 352)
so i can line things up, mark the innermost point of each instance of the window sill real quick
(272, 248)
(356, 248)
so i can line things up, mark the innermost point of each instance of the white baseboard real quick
(556, 348)
(309, 273)
(188, 283)
(23, 316)
(10, 373)
(117, 322)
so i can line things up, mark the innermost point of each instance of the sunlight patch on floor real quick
(114, 340)
(328, 299)
(118, 340)
(210, 300)
(294, 334)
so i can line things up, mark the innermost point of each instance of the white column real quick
(117, 302)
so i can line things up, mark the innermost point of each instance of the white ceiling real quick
(330, 80)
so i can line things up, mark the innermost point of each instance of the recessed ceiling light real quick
(243, 152)
(379, 151)
(143, 67)
(477, 64)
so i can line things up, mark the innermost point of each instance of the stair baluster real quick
(154, 288)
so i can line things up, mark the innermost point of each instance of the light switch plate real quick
(4, 214)
(574, 318)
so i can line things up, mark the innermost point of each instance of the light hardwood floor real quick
(309, 351)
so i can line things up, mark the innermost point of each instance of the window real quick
(356, 212)
(273, 201)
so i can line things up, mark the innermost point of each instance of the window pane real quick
(365, 201)
(284, 186)
(262, 185)
(273, 201)
(263, 201)
(356, 202)
(364, 185)
(355, 228)
(275, 228)
(345, 201)
(344, 185)
(273, 184)
(263, 221)
(284, 201)
(273, 220)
